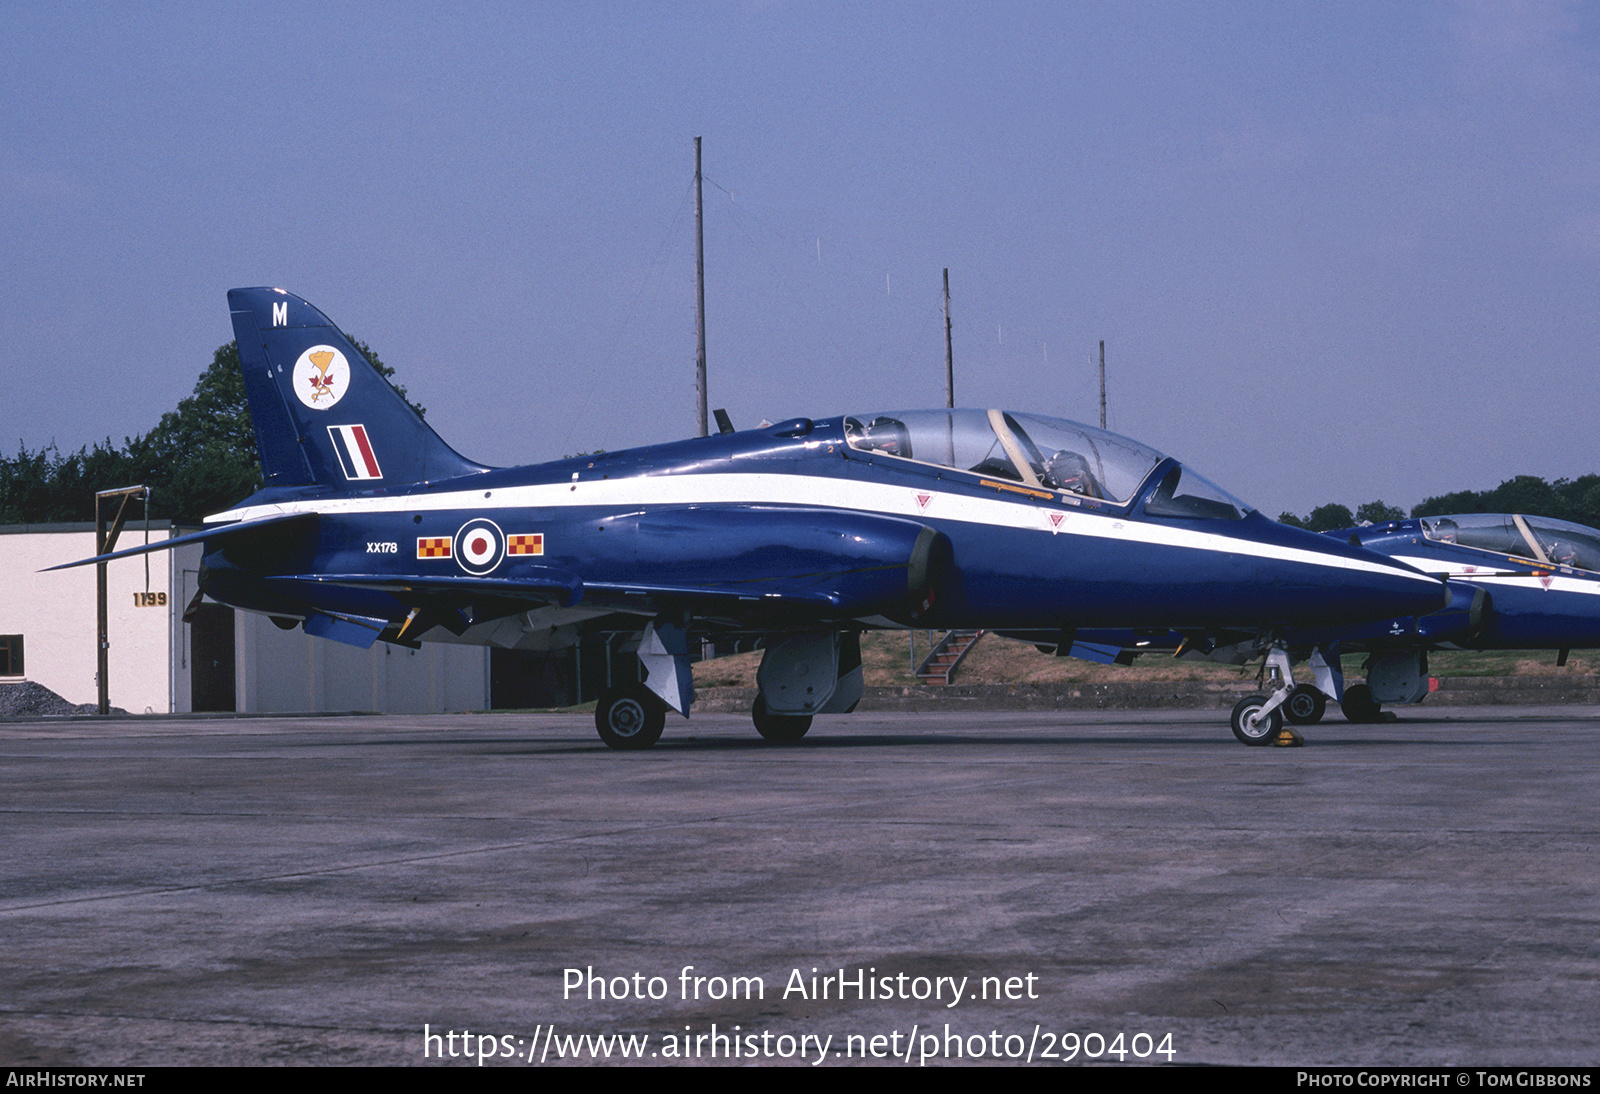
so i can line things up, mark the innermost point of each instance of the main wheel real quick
(1359, 705)
(783, 729)
(1256, 732)
(630, 717)
(1305, 705)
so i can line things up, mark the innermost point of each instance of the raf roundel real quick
(321, 377)
(479, 546)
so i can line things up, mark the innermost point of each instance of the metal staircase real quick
(939, 667)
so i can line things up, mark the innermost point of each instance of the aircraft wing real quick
(1462, 618)
(729, 568)
(565, 589)
(536, 585)
(207, 535)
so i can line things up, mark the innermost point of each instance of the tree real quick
(1565, 500)
(202, 457)
(25, 485)
(1326, 518)
(1582, 495)
(45, 486)
(1377, 512)
(1524, 494)
(1576, 500)
(1461, 501)
(1333, 516)
(199, 459)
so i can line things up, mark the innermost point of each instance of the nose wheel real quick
(1258, 719)
(1253, 723)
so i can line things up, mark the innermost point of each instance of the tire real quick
(1305, 705)
(781, 729)
(1358, 704)
(1261, 734)
(630, 718)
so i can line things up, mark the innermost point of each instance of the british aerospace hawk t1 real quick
(797, 536)
(1517, 582)
(1520, 582)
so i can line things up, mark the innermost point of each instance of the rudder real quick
(323, 414)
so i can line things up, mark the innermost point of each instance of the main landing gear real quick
(1359, 706)
(782, 729)
(1306, 705)
(630, 718)
(800, 675)
(1393, 676)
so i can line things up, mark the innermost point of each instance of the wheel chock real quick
(1288, 737)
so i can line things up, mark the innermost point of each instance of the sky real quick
(1337, 252)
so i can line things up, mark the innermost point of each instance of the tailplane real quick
(323, 415)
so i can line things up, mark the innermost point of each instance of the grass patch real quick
(886, 661)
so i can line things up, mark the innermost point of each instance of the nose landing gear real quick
(1258, 719)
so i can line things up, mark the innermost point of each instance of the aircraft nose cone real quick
(1326, 582)
(1394, 590)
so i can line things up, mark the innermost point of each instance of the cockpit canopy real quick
(1543, 539)
(1048, 455)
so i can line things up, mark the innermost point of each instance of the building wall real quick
(55, 614)
(151, 659)
(289, 671)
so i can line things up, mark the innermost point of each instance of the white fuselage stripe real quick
(1553, 582)
(906, 501)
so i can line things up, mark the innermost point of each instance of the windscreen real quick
(1184, 493)
(1544, 539)
(1045, 453)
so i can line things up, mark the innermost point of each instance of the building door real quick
(211, 683)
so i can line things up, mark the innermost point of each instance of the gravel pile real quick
(30, 700)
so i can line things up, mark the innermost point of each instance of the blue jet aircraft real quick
(796, 536)
(1517, 583)
(1520, 582)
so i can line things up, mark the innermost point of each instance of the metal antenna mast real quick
(699, 298)
(105, 541)
(1102, 383)
(949, 352)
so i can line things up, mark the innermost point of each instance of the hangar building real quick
(224, 660)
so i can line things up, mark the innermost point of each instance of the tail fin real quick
(323, 415)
